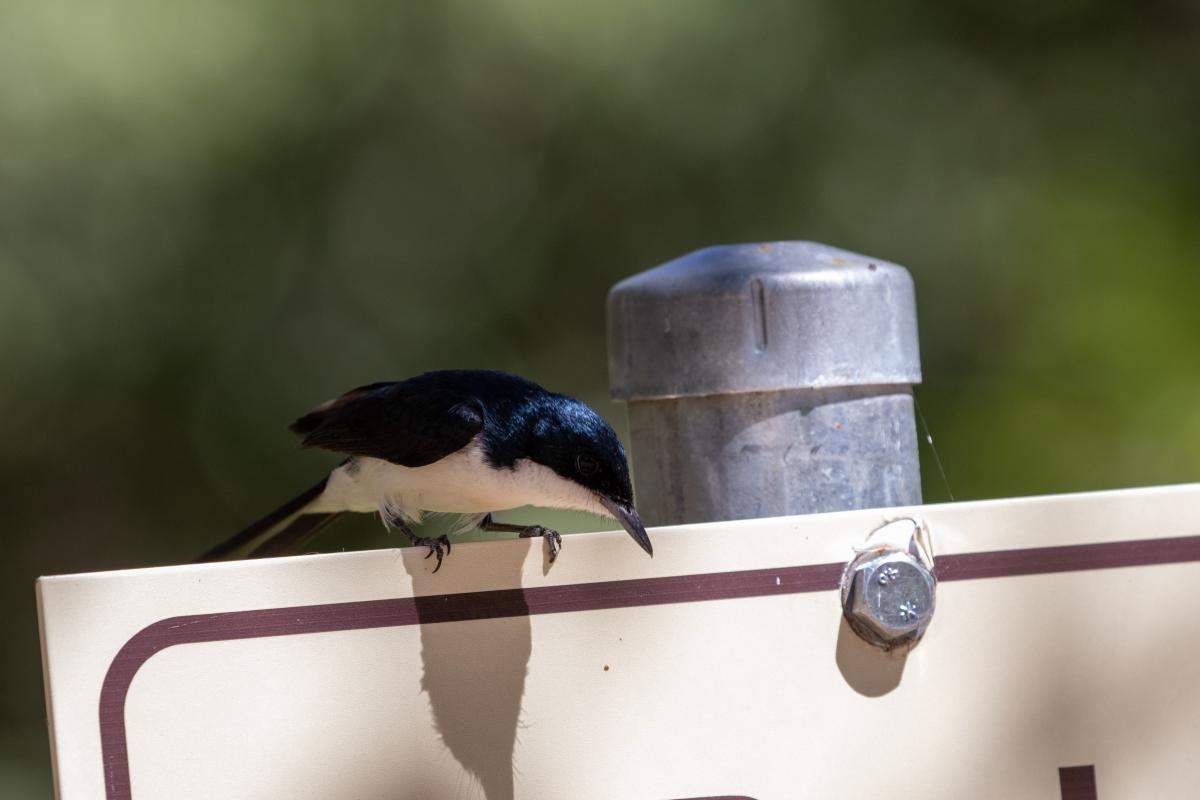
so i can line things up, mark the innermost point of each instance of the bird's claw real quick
(553, 538)
(436, 547)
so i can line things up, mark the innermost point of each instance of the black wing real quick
(410, 423)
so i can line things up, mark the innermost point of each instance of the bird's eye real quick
(586, 465)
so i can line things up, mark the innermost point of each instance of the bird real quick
(469, 442)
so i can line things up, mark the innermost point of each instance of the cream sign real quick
(1060, 663)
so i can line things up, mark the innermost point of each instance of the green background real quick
(215, 215)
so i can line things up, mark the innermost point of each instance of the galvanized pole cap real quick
(762, 317)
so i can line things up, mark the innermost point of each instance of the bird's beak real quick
(628, 517)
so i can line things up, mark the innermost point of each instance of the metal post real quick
(767, 379)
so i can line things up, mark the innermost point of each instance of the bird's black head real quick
(569, 437)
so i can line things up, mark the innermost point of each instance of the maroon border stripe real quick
(1068, 558)
(560, 599)
(1077, 783)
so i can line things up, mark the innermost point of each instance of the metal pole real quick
(765, 380)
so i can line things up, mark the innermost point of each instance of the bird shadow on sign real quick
(867, 669)
(474, 670)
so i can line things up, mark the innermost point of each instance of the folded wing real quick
(410, 423)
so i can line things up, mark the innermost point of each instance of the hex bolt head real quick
(888, 597)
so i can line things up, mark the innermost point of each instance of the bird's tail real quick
(284, 530)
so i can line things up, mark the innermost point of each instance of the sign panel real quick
(1061, 662)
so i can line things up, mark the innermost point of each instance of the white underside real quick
(461, 483)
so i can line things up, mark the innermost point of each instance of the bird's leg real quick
(552, 537)
(439, 546)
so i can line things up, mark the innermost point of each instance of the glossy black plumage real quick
(417, 422)
(411, 423)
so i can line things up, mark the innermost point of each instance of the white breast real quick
(461, 483)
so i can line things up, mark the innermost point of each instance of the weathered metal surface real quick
(767, 379)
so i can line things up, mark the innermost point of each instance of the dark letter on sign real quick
(1077, 783)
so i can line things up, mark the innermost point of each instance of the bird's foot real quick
(437, 547)
(553, 538)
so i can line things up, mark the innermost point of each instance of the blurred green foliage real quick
(215, 215)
